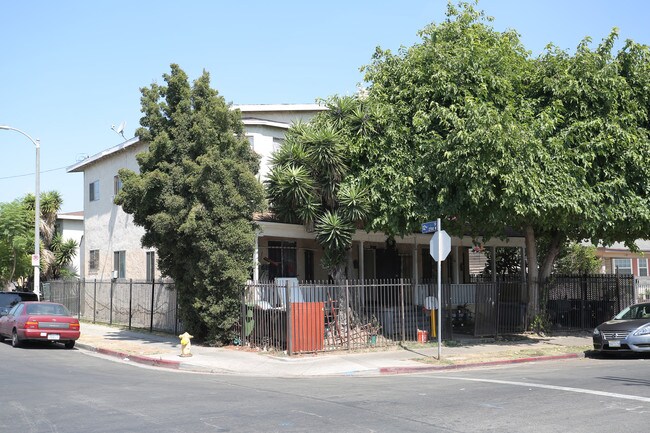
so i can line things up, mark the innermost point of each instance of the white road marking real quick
(553, 387)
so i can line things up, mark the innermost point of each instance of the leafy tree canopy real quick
(16, 241)
(578, 259)
(468, 127)
(195, 196)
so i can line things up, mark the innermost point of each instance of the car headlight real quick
(596, 331)
(644, 330)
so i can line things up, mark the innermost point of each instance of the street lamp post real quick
(36, 258)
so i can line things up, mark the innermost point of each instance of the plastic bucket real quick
(423, 336)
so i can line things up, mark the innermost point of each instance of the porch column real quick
(350, 267)
(415, 261)
(493, 252)
(362, 271)
(256, 258)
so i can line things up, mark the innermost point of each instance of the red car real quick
(39, 321)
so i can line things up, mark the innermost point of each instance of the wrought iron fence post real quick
(287, 293)
(153, 292)
(402, 310)
(95, 301)
(79, 298)
(498, 291)
(130, 301)
(110, 313)
(242, 317)
(347, 314)
(176, 310)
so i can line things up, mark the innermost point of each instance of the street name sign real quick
(429, 227)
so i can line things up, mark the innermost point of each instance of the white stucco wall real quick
(108, 228)
(71, 226)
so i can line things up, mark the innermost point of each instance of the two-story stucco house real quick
(111, 247)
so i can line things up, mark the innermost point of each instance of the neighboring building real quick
(617, 258)
(71, 226)
(112, 242)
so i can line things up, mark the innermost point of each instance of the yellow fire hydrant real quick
(186, 344)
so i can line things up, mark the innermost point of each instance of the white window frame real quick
(119, 263)
(643, 267)
(623, 265)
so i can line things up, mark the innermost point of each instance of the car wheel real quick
(15, 341)
(69, 344)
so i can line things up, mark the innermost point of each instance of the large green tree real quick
(195, 196)
(470, 128)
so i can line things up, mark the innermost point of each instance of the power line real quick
(32, 173)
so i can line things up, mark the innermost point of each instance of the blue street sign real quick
(429, 227)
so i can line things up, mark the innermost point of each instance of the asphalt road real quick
(46, 389)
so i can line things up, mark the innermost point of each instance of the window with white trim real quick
(119, 263)
(643, 267)
(622, 266)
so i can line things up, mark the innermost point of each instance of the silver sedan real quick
(628, 331)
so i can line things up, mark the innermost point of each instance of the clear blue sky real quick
(71, 69)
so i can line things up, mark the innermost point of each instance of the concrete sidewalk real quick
(164, 351)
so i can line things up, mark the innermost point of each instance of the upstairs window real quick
(93, 191)
(117, 184)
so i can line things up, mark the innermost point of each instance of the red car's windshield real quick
(47, 309)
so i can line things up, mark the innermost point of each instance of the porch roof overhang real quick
(298, 231)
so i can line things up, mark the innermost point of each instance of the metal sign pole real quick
(439, 292)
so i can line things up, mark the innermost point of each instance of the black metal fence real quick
(132, 303)
(321, 316)
(585, 301)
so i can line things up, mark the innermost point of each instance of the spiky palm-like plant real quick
(310, 183)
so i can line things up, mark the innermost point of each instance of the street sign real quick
(445, 245)
(36, 260)
(429, 227)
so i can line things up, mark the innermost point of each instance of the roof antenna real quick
(119, 129)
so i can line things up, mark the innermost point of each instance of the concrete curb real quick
(140, 359)
(184, 366)
(423, 369)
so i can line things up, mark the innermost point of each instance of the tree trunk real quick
(551, 255)
(533, 273)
